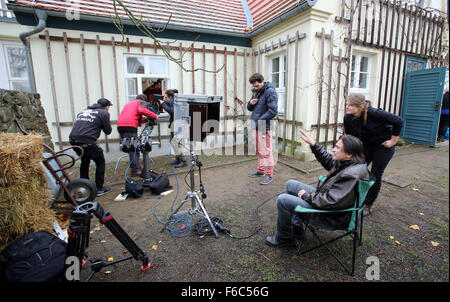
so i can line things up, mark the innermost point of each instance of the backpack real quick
(159, 183)
(35, 257)
(133, 188)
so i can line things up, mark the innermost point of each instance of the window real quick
(141, 71)
(360, 74)
(278, 79)
(15, 75)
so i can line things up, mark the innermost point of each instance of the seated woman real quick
(346, 167)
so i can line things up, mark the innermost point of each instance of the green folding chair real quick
(354, 228)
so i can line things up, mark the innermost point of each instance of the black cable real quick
(257, 215)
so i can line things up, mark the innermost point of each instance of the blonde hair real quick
(359, 100)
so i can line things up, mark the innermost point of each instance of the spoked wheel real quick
(82, 190)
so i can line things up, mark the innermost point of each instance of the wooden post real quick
(204, 70)
(294, 103)
(349, 50)
(419, 30)
(99, 57)
(142, 45)
(69, 78)
(286, 94)
(383, 55)
(336, 112)
(52, 82)
(215, 68)
(373, 24)
(319, 106)
(389, 59)
(358, 31)
(193, 67)
(86, 85)
(245, 83)
(330, 72)
(379, 23)
(116, 80)
(225, 91)
(365, 23)
(395, 60)
(181, 68)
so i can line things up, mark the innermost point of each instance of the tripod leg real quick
(199, 202)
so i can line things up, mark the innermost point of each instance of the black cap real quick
(104, 102)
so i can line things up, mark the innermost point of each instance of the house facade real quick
(314, 52)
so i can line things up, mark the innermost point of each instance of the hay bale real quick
(23, 188)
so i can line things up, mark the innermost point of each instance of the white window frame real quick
(6, 76)
(357, 70)
(281, 91)
(146, 75)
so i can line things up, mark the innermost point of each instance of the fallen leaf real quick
(103, 241)
(110, 259)
(414, 227)
(107, 272)
(421, 214)
(124, 251)
(434, 243)
(392, 237)
(396, 241)
(415, 189)
(154, 247)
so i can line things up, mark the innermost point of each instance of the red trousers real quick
(263, 145)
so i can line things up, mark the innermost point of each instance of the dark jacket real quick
(445, 104)
(168, 107)
(267, 106)
(89, 124)
(380, 126)
(338, 191)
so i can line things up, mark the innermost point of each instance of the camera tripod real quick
(78, 240)
(197, 207)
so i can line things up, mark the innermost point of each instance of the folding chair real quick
(354, 228)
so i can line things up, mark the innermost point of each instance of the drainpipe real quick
(42, 16)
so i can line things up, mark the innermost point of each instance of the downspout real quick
(248, 15)
(42, 16)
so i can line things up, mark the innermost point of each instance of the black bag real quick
(159, 183)
(35, 257)
(133, 188)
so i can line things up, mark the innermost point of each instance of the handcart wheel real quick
(82, 190)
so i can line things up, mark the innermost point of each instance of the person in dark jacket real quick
(168, 105)
(264, 108)
(85, 132)
(379, 132)
(130, 118)
(443, 121)
(345, 168)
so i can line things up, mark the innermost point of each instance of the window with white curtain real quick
(278, 78)
(360, 73)
(140, 70)
(15, 74)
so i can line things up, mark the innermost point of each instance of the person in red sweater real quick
(131, 117)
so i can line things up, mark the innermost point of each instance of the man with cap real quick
(85, 132)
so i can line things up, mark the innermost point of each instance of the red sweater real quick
(132, 115)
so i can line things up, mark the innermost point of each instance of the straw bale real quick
(23, 188)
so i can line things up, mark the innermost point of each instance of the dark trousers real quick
(92, 152)
(129, 132)
(379, 156)
(443, 125)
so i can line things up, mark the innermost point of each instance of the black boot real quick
(299, 232)
(181, 163)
